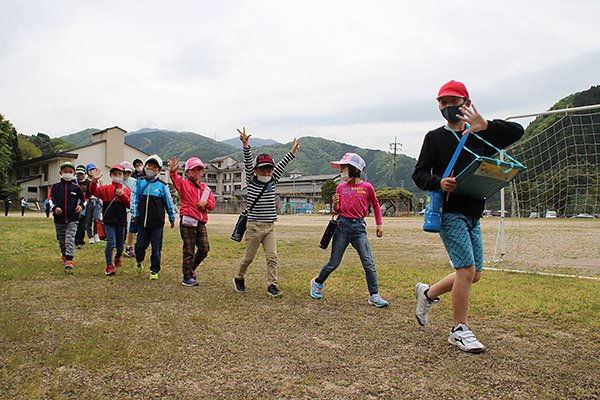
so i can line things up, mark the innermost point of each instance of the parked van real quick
(550, 214)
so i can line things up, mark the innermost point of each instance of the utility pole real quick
(395, 148)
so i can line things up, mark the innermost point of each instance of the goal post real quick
(500, 246)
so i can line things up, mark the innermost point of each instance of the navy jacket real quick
(66, 195)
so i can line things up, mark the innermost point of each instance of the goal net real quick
(555, 203)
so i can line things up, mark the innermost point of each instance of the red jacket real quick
(190, 196)
(115, 213)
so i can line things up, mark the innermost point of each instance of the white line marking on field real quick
(518, 271)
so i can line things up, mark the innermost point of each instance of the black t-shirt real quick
(437, 150)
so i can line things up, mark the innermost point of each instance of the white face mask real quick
(68, 177)
(151, 173)
(117, 179)
(344, 175)
(139, 169)
(263, 179)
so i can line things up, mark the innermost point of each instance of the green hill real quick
(181, 144)
(80, 138)
(316, 153)
(314, 156)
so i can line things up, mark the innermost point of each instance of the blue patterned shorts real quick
(462, 238)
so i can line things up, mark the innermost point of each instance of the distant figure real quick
(131, 230)
(7, 204)
(47, 207)
(24, 205)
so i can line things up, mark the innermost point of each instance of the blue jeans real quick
(145, 237)
(351, 231)
(115, 237)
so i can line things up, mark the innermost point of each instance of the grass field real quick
(88, 336)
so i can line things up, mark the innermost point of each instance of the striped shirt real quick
(264, 210)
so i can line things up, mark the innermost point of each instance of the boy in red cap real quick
(196, 201)
(460, 230)
(261, 178)
(115, 198)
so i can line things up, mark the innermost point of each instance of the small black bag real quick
(240, 227)
(328, 234)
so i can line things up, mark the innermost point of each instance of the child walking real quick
(65, 201)
(351, 202)
(196, 201)
(261, 178)
(460, 231)
(152, 198)
(115, 201)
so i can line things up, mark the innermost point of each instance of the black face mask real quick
(449, 113)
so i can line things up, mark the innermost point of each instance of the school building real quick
(108, 148)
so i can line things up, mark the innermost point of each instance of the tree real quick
(327, 191)
(28, 149)
(48, 145)
(9, 150)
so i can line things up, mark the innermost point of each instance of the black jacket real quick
(66, 195)
(438, 148)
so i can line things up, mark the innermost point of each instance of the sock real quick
(317, 280)
(427, 296)
(69, 258)
(372, 293)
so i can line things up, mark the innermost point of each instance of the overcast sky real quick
(360, 72)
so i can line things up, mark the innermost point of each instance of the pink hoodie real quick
(190, 196)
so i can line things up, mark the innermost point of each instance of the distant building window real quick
(36, 170)
(32, 189)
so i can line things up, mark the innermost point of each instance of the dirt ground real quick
(89, 336)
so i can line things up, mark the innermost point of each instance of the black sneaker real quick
(274, 291)
(239, 285)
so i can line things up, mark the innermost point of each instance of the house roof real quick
(104, 130)
(29, 178)
(62, 154)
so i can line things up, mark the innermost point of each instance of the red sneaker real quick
(69, 266)
(118, 262)
(110, 270)
(63, 260)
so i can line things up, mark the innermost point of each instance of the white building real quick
(108, 148)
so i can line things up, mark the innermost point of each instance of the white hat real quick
(156, 158)
(352, 159)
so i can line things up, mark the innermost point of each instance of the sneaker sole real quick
(275, 295)
(109, 273)
(188, 285)
(316, 298)
(236, 288)
(417, 297)
(377, 305)
(477, 350)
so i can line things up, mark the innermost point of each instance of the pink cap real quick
(127, 166)
(193, 162)
(352, 159)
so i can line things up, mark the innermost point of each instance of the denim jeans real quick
(351, 231)
(93, 212)
(115, 238)
(145, 237)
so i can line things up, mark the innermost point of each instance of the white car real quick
(550, 214)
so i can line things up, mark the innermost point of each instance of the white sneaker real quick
(423, 303)
(96, 238)
(464, 339)
(92, 241)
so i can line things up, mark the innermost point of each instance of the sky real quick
(359, 72)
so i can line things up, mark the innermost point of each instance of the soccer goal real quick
(561, 182)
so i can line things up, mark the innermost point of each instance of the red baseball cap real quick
(453, 88)
(264, 160)
(117, 167)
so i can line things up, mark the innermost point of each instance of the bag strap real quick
(257, 197)
(461, 144)
(513, 162)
